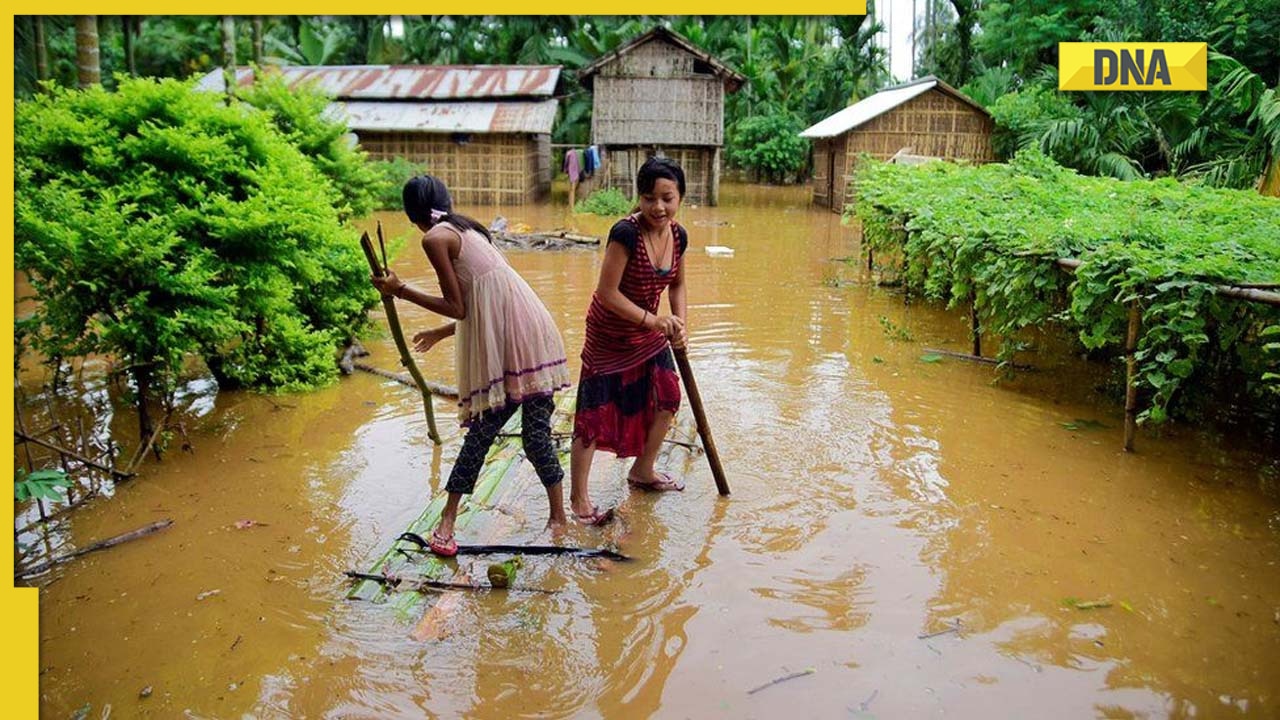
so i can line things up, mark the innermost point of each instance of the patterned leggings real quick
(535, 435)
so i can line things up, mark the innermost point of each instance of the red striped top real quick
(615, 343)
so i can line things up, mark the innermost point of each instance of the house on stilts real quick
(660, 95)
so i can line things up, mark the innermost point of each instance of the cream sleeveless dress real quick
(508, 347)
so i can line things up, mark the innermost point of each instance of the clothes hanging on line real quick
(572, 165)
(580, 163)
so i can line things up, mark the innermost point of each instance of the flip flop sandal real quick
(444, 547)
(595, 517)
(665, 484)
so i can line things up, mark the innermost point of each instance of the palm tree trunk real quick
(42, 51)
(88, 63)
(128, 27)
(965, 10)
(1269, 183)
(257, 39)
(229, 54)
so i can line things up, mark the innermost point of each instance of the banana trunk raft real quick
(399, 574)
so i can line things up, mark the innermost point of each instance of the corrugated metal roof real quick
(880, 103)
(474, 117)
(411, 82)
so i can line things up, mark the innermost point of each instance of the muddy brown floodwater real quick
(877, 498)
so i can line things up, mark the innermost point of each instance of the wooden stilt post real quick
(1131, 370)
(974, 327)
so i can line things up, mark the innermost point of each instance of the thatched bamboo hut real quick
(660, 94)
(484, 129)
(925, 117)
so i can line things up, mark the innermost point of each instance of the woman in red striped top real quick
(629, 390)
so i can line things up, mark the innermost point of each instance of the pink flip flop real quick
(444, 547)
(595, 517)
(665, 483)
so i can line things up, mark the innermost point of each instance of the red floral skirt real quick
(616, 410)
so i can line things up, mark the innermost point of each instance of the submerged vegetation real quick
(605, 201)
(994, 233)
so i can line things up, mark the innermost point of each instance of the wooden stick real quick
(445, 391)
(21, 432)
(784, 678)
(704, 430)
(974, 327)
(1246, 291)
(421, 584)
(974, 358)
(142, 451)
(557, 550)
(1131, 371)
(393, 319)
(73, 455)
(100, 545)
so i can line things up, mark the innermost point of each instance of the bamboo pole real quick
(1131, 370)
(704, 430)
(1239, 292)
(393, 319)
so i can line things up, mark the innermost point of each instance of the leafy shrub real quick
(1021, 117)
(300, 114)
(157, 223)
(769, 146)
(606, 201)
(392, 175)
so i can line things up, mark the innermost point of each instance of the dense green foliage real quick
(607, 201)
(994, 232)
(391, 177)
(299, 113)
(770, 147)
(1228, 136)
(797, 67)
(156, 223)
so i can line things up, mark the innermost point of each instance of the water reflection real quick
(876, 498)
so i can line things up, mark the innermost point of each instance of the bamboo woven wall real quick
(657, 94)
(933, 124)
(667, 111)
(621, 165)
(498, 169)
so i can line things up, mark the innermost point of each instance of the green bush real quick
(300, 114)
(769, 146)
(392, 175)
(157, 223)
(606, 201)
(994, 231)
(1021, 118)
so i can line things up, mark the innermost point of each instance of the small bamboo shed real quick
(660, 95)
(925, 117)
(483, 129)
